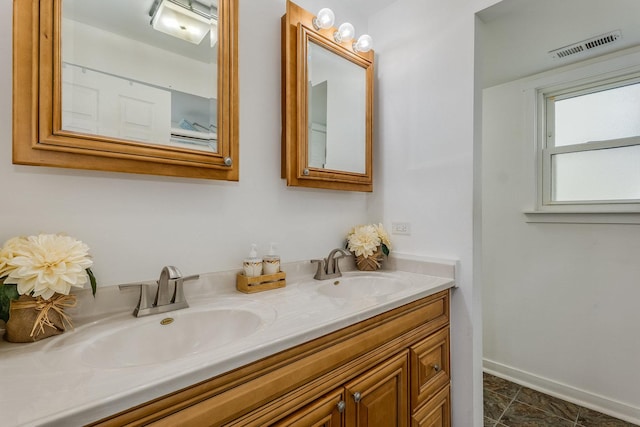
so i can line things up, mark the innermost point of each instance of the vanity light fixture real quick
(183, 20)
(324, 19)
(364, 43)
(345, 33)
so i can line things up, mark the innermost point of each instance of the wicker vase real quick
(32, 319)
(371, 263)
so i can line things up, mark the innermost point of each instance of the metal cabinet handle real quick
(341, 406)
(357, 396)
(436, 367)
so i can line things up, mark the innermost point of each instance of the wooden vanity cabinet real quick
(376, 398)
(390, 370)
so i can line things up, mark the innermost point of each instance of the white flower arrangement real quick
(364, 240)
(41, 266)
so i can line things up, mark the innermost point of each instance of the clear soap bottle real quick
(271, 261)
(252, 266)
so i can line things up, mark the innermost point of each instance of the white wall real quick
(560, 301)
(136, 224)
(425, 121)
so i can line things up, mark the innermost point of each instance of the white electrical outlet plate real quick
(401, 228)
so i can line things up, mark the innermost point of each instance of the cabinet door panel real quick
(435, 413)
(380, 396)
(325, 412)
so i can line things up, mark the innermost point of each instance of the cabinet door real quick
(435, 413)
(379, 397)
(325, 412)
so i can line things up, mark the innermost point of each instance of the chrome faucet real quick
(329, 267)
(164, 300)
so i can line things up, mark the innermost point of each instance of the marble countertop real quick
(49, 383)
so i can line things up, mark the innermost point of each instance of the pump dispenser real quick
(271, 262)
(252, 266)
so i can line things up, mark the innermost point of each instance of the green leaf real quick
(7, 294)
(92, 279)
(385, 249)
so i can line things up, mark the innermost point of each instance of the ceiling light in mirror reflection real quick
(183, 21)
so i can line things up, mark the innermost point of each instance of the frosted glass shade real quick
(364, 43)
(175, 20)
(324, 19)
(345, 33)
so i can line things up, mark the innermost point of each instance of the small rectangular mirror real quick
(327, 108)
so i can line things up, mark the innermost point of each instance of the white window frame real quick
(546, 147)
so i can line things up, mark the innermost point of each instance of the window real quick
(590, 149)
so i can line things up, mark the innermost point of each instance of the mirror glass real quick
(336, 119)
(124, 78)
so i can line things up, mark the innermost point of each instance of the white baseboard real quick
(566, 392)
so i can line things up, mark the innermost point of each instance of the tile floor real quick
(507, 404)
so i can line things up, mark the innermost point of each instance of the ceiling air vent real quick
(586, 45)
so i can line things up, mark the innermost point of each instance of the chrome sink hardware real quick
(329, 267)
(163, 301)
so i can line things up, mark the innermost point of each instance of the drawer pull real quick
(341, 406)
(357, 396)
(436, 367)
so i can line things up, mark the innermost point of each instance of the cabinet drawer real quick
(429, 367)
(436, 413)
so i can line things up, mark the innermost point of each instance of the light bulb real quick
(345, 33)
(364, 43)
(324, 19)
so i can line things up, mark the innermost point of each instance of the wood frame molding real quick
(297, 31)
(37, 135)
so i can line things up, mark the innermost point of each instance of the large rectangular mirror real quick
(327, 107)
(146, 87)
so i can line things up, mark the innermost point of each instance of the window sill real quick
(575, 217)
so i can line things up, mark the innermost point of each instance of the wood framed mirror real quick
(327, 107)
(43, 133)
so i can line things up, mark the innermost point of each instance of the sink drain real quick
(166, 321)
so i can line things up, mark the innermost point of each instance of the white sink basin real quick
(159, 338)
(361, 286)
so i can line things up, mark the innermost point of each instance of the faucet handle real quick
(320, 272)
(178, 291)
(143, 300)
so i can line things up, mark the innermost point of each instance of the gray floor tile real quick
(521, 415)
(550, 404)
(590, 418)
(494, 404)
(534, 409)
(500, 386)
(489, 422)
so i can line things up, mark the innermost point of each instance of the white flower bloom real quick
(384, 236)
(50, 263)
(11, 249)
(364, 241)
